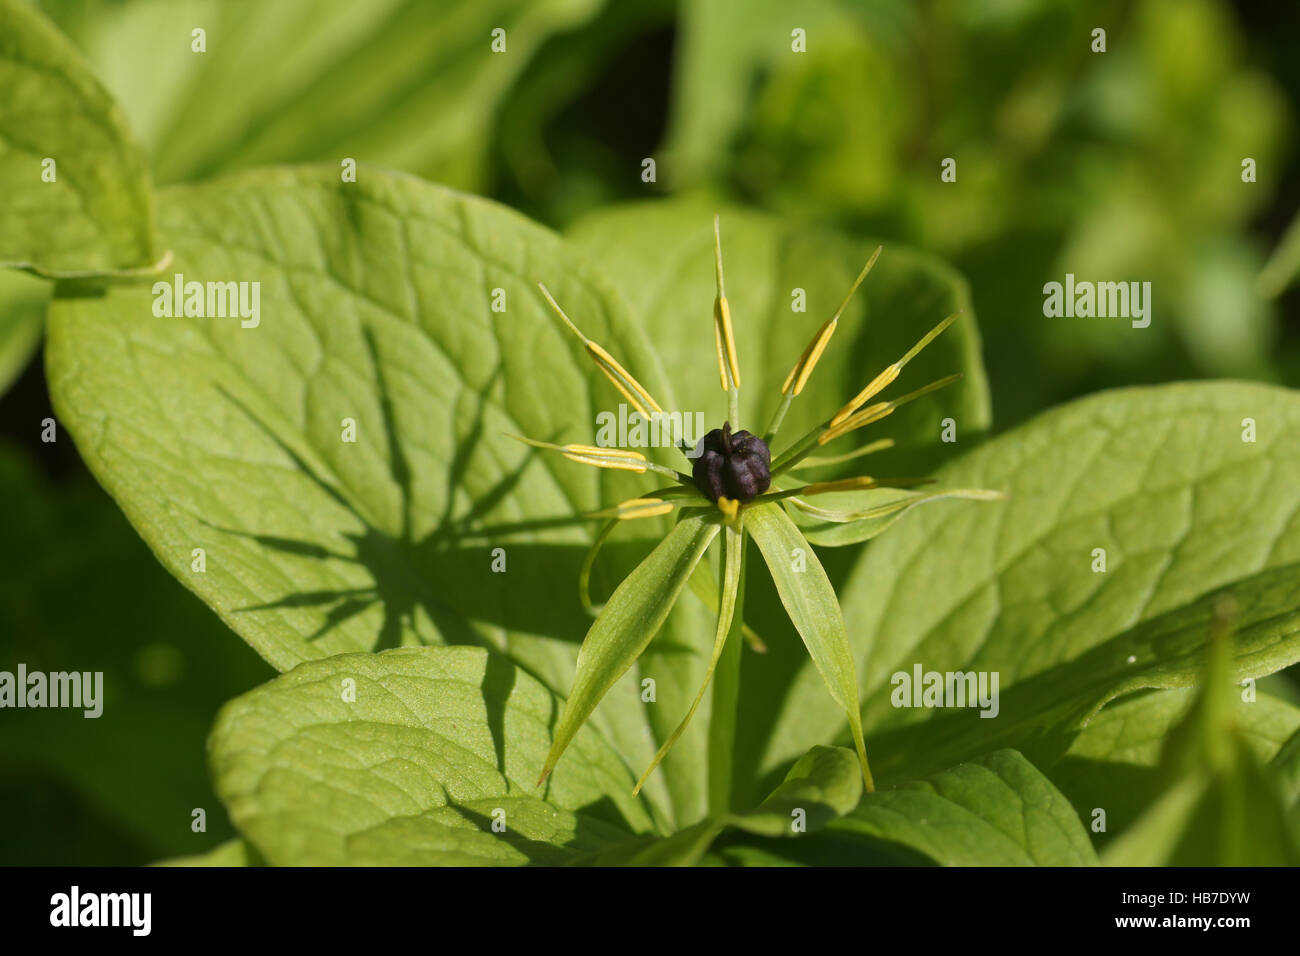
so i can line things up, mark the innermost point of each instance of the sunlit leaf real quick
(410, 757)
(91, 210)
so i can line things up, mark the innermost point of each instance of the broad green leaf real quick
(814, 610)
(1219, 806)
(408, 757)
(997, 810)
(1113, 764)
(375, 308)
(629, 622)
(23, 299)
(660, 256)
(994, 811)
(1158, 477)
(823, 785)
(92, 210)
(401, 83)
(1042, 713)
(231, 853)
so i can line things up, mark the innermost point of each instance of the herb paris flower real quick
(736, 489)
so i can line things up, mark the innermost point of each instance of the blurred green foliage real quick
(1117, 165)
(1123, 165)
(82, 592)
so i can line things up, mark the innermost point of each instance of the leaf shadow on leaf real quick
(403, 568)
(596, 824)
(498, 683)
(1042, 715)
(816, 849)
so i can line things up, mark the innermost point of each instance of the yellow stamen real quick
(728, 364)
(729, 507)
(878, 383)
(631, 389)
(803, 369)
(842, 484)
(889, 374)
(799, 375)
(618, 464)
(622, 379)
(635, 508)
(872, 413)
(620, 459)
(596, 450)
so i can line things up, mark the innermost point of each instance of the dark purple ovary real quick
(736, 465)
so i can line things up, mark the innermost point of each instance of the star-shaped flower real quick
(736, 488)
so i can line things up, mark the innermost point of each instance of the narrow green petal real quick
(588, 562)
(705, 587)
(867, 515)
(629, 621)
(727, 606)
(724, 715)
(814, 610)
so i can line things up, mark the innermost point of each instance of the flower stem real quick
(726, 695)
(779, 417)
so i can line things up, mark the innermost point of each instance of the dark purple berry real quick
(736, 465)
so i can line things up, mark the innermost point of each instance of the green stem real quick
(726, 700)
(798, 451)
(779, 417)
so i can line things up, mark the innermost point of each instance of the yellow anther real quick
(635, 508)
(617, 462)
(622, 379)
(891, 373)
(596, 450)
(803, 369)
(729, 507)
(877, 384)
(630, 388)
(799, 375)
(872, 413)
(620, 459)
(724, 339)
(843, 484)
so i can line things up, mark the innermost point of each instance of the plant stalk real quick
(725, 704)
